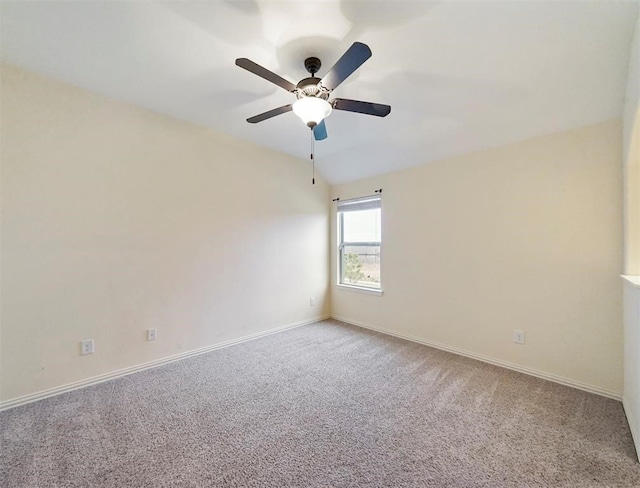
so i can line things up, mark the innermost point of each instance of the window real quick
(359, 242)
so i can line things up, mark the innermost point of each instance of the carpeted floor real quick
(324, 405)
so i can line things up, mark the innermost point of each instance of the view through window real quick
(359, 242)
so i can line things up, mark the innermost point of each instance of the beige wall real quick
(631, 146)
(116, 219)
(527, 236)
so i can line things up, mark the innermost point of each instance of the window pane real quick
(361, 266)
(361, 226)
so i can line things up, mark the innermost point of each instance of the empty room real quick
(336, 243)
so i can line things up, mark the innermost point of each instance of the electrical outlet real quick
(518, 336)
(151, 334)
(87, 347)
(312, 302)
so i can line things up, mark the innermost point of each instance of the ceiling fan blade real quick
(367, 108)
(271, 113)
(320, 131)
(256, 69)
(350, 61)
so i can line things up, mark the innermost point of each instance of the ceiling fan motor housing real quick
(310, 87)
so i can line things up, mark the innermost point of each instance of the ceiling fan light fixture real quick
(312, 93)
(312, 110)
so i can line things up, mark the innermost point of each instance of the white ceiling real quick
(460, 76)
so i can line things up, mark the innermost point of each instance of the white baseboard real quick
(33, 397)
(487, 359)
(633, 425)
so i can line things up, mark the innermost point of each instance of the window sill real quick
(360, 289)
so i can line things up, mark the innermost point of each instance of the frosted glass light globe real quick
(312, 110)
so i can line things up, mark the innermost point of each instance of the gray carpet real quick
(325, 405)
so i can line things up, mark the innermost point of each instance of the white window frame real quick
(363, 203)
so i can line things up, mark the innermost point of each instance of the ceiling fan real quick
(313, 104)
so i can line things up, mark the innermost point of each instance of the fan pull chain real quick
(313, 161)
